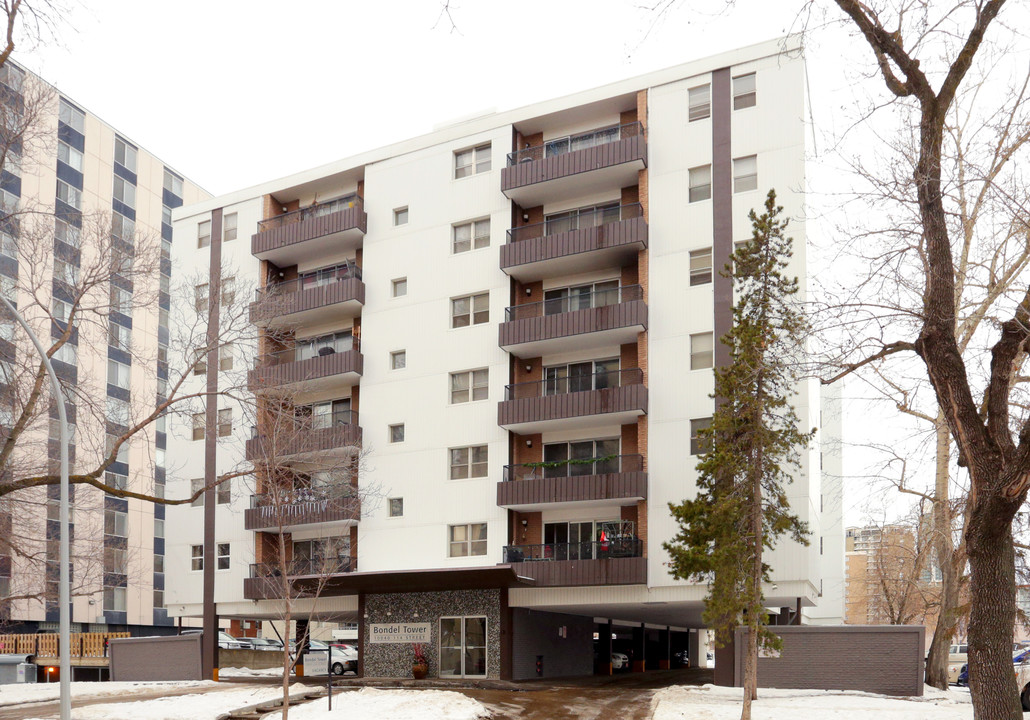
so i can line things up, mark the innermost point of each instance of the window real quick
(400, 216)
(116, 523)
(162, 352)
(196, 558)
(225, 422)
(469, 385)
(223, 492)
(159, 595)
(472, 161)
(229, 227)
(173, 183)
(197, 485)
(580, 457)
(471, 235)
(114, 599)
(200, 362)
(204, 234)
(700, 183)
(122, 227)
(225, 361)
(165, 283)
(398, 360)
(699, 445)
(121, 300)
(222, 556)
(199, 424)
(583, 218)
(396, 506)
(701, 266)
(470, 310)
(118, 374)
(68, 234)
(124, 154)
(699, 103)
(702, 351)
(467, 540)
(119, 336)
(468, 462)
(397, 433)
(200, 297)
(582, 376)
(72, 116)
(159, 527)
(228, 290)
(166, 216)
(8, 201)
(163, 318)
(745, 174)
(69, 195)
(124, 191)
(12, 76)
(116, 481)
(123, 450)
(744, 91)
(115, 561)
(581, 297)
(61, 310)
(400, 287)
(66, 272)
(338, 342)
(67, 353)
(159, 563)
(69, 156)
(159, 457)
(329, 413)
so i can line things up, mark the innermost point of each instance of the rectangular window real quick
(116, 561)
(196, 558)
(12, 76)
(124, 191)
(472, 161)
(61, 310)
(470, 310)
(159, 563)
(72, 116)
(700, 183)
(204, 234)
(69, 156)
(702, 351)
(700, 103)
(223, 492)
(229, 227)
(116, 481)
(197, 485)
(699, 445)
(118, 374)
(225, 360)
(400, 287)
(119, 336)
(159, 595)
(68, 234)
(166, 215)
(200, 362)
(165, 283)
(745, 174)
(114, 599)
(396, 507)
(701, 266)
(124, 154)
(199, 423)
(123, 228)
(469, 385)
(467, 540)
(66, 272)
(222, 556)
(173, 183)
(67, 353)
(744, 95)
(469, 462)
(471, 236)
(116, 523)
(400, 216)
(225, 422)
(123, 449)
(397, 433)
(228, 288)
(398, 360)
(200, 297)
(69, 195)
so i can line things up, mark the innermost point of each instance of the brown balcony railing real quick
(597, 217)
(300, 567)
(312, 211)
(571, 143)
(319, 433)
(580, 383)
(574, 301)
(575, 467)
(619, 547)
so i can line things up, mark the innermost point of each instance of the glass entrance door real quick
(463, 647)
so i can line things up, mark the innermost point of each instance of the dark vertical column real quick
(209, 641)
(507, 641)
(797, 614)
(362, 622)
(639, 644)
(605, 648)
(302, 645)
(695, 652)
(725, 664)
(722, 208)
(665, 645)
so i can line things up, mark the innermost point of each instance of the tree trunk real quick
(944, 547)
(992, 619)
(754, 589)
(287, 617)
(750, 667)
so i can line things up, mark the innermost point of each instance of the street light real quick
(64, 594)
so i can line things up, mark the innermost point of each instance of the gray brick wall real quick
(176, 657)
(536, 633)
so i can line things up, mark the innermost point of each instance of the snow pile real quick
(51, 692)
(235, 672)
(721, 703)
(372, 704)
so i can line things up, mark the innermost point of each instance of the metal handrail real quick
(614, 547)
(285, 287)
(304, 566)
(556, 306)
(633, 462)
(566, 143)
(583, 221)
(281, 357)
(300, 495)
(306, 424)
(582, 383)
(317, 210)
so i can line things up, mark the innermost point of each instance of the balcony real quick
(312, 232)
(618, 561)
(615, 397)
(568, 245)
(577, 321)
(317, 364)
(576, 165)
(331, 508)
(313, 298)
(618, 480)
(266, 580)
(337, 434)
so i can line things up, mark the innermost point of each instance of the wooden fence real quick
(83, 645)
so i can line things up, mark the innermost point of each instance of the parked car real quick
(620, 661)
(313, 646)
(956, 659)
(343, 658)
(266, 644)
(225, 640)
(681, 658)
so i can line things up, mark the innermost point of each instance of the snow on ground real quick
(372, 704)
(50, 692)
(235, 672)
(718, 703)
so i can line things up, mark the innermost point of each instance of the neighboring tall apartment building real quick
(66, 180)
(514, 321)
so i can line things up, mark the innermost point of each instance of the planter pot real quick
(419, 672)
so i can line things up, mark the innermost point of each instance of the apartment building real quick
(73, 187)
(497, 343)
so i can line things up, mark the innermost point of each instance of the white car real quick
(343, 658)
(619, 661)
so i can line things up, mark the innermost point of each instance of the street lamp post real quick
(64, 592)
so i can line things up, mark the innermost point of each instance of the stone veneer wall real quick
(394, 660)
